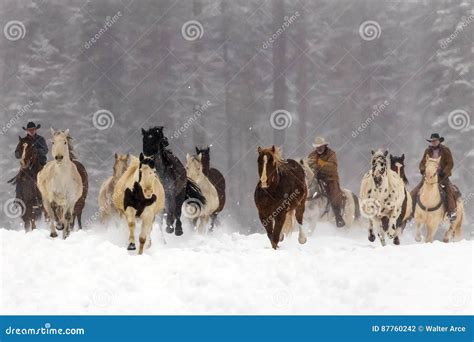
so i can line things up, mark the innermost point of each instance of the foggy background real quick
(364, 74)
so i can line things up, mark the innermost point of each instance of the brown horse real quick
(215, 177)
(27, 193)
(280, 195)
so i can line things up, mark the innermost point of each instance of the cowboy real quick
(435, 150)
(323, 161)
(37, 140)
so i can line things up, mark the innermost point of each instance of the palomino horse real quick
(139, 193)
(397, 164)
(27, 193)
(430, 209)
(280, 195)
(60, 184)
(381, 198)
(201, 212)
(318, 207)
(106, 207)
(178, 187)
(215, 177)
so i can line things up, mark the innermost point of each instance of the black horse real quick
(178, 187)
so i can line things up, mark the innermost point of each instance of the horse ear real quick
(19, 138)
(199, 156)
(373, 152)
(66, 131)
(391, 157)
(259, 149)
(52, 131)
(197, 150)
(385, 153)
(143, 132)
(188, 157)
(273, 148)
(141, 157)
(403, 156)
(116, 155)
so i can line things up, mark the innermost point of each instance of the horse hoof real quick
(178, 232)
(371, 238)
(446, 239)
(302, 241)
(59, 226)
(53, 235)
(418, 239)
(396, 241)
(169, 230)
(131, 247)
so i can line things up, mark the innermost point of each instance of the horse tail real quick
(356, 207)
(193, 192)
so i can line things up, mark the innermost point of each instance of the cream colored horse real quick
(106, 207)
(141, 175)
(199, 211)
(60, 184)
(432, 212)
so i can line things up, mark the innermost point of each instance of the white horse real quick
(106, 206)
(381, 199)
(60, 184)
(430, 210)
(139, 193)
(200, 212)
(318, 207)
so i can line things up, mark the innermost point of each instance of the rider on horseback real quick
(435, 150)
(324, 163)
(37, 140)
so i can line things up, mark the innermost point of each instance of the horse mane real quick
(277, 156)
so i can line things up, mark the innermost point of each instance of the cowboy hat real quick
(435, 136)
(319, 141)
(31, 124)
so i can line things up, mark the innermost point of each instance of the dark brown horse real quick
(397, 164)
(215, 177)
(280, 194)
(27, 193)
(82, 201)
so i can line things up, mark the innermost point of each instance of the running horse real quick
(178, 187)
(280, 195)
(27, 193)
(397, 164)
(215, 177)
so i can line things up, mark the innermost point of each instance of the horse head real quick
(194, 167)
(147, 175)
(61, 147)
(269, 159)
(379, 166)
(153, 140)
(431, 169)
(29, 153)
(397, 164)
(120, 164)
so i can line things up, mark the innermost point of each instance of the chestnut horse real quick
(215, 177)
(280, 195)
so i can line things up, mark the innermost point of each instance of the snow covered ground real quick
(336, 272)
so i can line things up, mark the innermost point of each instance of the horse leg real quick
(299, 213)
(267, 223)
(170, 210)
(67, 224)
(380, 232)
(431, 231)
(279, 222)
(213, 220)
(418, 225)
(177, 210)
(49, 212)
(147, 225)
(129, 213)
(371, 231)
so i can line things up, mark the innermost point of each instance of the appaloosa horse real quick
(178, 187)
(215, 177)
(27, 193)
(280, 195)
(381, 198)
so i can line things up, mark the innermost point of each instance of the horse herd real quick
(157, 183)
